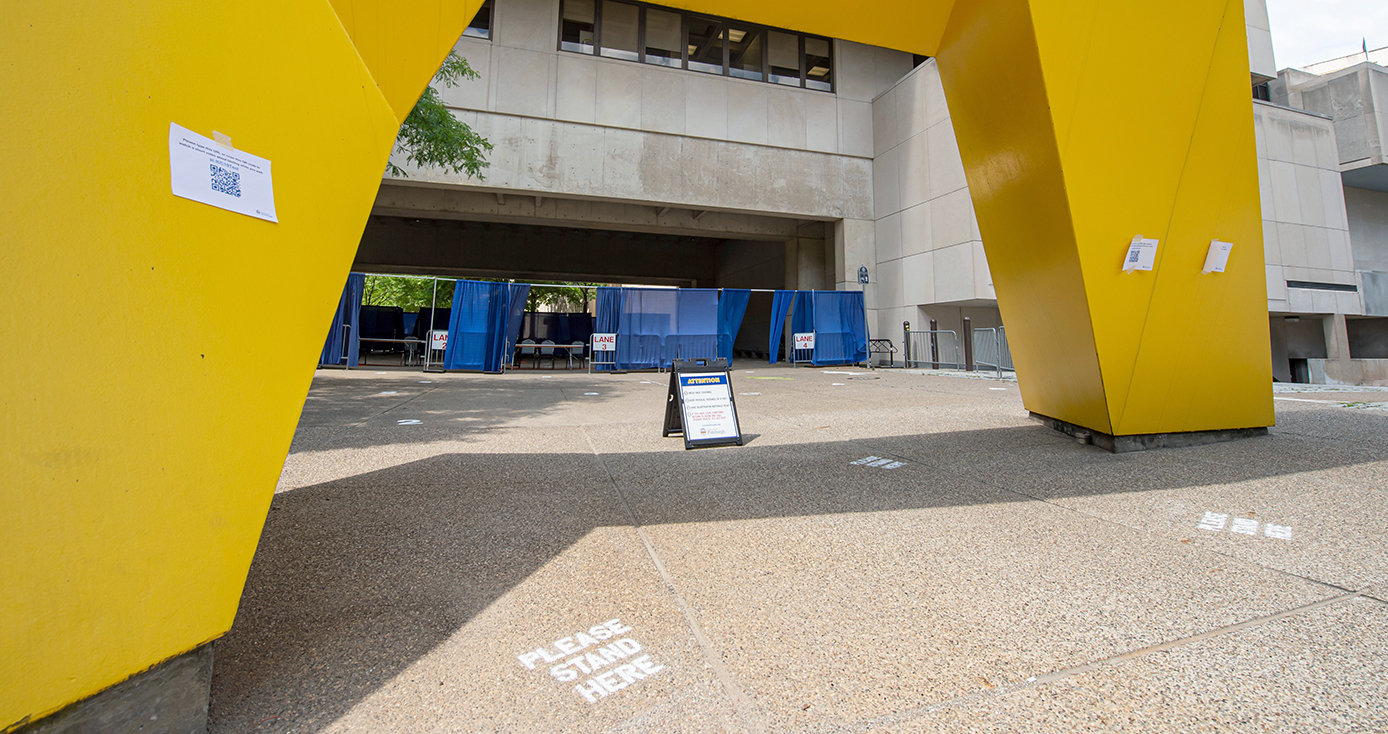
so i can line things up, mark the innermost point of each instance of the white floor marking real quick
(831, 372)
(590, 393)
(997, 388)
(600, 685)
(1243, 525)
(388, 392)
(749, 393)
(425, 382)
(409, 422)
(381, 373)
(879, 462)
(838, 384)
(1213, 521)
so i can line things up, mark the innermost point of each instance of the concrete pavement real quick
(533, 556)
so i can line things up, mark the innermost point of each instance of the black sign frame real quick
(674, 403)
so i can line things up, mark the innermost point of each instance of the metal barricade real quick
(594, 353)
(802, 356)
(990, 350)
(933, 350)
(1004, 352)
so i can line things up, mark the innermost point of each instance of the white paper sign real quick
(804, 341)
(1142, 255)
(438, 339)
(205, 172)
(604, 342)
(708, 406)
(1218, 257)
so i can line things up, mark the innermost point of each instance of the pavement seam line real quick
(1035, 681)
(1216, 632)
(741, 703)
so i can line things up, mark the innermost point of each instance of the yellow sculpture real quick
(138, 469)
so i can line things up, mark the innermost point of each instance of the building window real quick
(784, 55)
(706, 45)
(576, 28)
(620, 27)
(481, 25)
(745, 48)
(818, 65)
(635, 31)
(663, 33)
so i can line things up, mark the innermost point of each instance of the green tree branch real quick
(431, 137)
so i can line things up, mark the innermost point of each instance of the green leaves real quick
(410, 294)
(431, 137)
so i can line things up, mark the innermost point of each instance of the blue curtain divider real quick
(781, 302)
(695, 330)
(610, 301)
(480, 325)
(837, 318)
(732, 306)
(515, 315)
(348, 313)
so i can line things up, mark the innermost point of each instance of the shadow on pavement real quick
(355, 579)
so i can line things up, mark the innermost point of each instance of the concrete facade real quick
(869, 175)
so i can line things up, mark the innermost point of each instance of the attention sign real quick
(700, 404)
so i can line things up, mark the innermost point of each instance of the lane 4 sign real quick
(805, 340)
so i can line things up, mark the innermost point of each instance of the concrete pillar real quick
(1336, 337)
(792, 264)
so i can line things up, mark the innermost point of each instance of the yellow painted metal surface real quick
(138, 466)
(1067, 161)
(147, 408)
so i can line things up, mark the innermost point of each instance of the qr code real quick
(225, 182)
(1133, 256)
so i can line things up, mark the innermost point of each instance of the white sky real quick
(1307, 31)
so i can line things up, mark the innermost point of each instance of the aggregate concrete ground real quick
(1004, 578)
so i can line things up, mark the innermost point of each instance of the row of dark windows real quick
(654, 35)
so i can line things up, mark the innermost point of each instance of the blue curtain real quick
(695, 327)
(515, 315)
(838, 322)
(348, 314)
(781, 302)
(732, 306)
(648, 318)
(610, 301)
(480, 325)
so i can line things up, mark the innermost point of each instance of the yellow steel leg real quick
(1082, 125)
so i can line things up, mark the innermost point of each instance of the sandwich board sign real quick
(604, 342)
(805, 340)
(438, 339)
(700, 404)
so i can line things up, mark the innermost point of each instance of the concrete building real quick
(639, 144)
